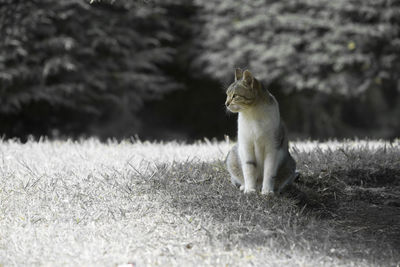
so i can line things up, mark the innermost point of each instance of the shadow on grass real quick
(330, 212)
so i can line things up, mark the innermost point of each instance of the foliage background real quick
(158, 68)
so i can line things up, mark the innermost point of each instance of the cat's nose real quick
(227, 103)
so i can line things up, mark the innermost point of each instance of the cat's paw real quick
(267, 192)
(249, 190)
(241, 188)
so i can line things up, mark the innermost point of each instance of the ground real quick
(89, 203)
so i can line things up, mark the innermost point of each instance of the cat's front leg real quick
(271, 162)
(249, 166)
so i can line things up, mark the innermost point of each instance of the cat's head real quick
(243, 93)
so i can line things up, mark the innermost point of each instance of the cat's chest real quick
(256, 130)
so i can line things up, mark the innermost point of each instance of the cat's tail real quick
(295, 176)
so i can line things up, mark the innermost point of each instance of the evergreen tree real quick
(320, 51)
(88, 68)
(79, 67)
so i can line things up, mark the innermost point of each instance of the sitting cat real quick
(261, 157)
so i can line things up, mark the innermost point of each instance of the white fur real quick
(257, 127)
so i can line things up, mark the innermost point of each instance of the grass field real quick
(107, 204)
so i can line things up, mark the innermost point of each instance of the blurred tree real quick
(198, 110)
(329, 57)
(76, 67)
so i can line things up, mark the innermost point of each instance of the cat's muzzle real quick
(233, 108)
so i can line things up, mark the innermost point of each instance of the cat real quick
(261, 157)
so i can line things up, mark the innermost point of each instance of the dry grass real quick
(89, 203)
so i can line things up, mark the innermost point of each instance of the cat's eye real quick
(234, 96)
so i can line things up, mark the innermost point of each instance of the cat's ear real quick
(256, 84)
(247, 77)
(238, 74)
